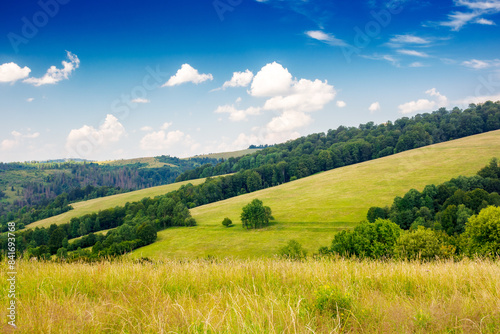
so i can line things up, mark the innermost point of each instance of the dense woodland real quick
(349, 145)
(42, 190)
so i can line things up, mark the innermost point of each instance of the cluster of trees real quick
(456, 218)
(348, 145)
(158, 213)
(256, 215)
(47, 189)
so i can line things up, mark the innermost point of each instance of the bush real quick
(227, 222)
(374, 240)
(333, 301)
(293, 251)
(482, 233)
(422, 244)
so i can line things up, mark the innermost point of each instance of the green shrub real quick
(482, 233)
(422, 244)
(332, 301)
(374, 240)
(227, 222)
(293, 250)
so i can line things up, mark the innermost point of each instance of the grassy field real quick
(312, 209)
(94, 205)
(255, 296)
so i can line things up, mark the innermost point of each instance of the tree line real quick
(349, 145)
(46, 189)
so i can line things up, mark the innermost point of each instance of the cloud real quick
(165, 125)
(291, 99)
(146, 128)
(11, 72)
(87, 139)
(288, 121)
(305, 96)
(163, 141)
(341, 104)
(140, 100)
(478, 8)
(16, 140)
(239, 79)
(413, 53)
(478, 99)
(30, 99)
(416, 64)
(409, 39)
(485, 22)
(271, 80)
(187, 74)
(326, 38)
(424, 104)
(237, 115)
(375, 106)
(389, 58)
(481, 64)
(54, 75)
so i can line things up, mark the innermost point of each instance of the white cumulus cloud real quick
(168, 142)
(235, 114)
(424, 104)
(54, 74)
(88, 140)
(341, 104)
(187, 74)
(239, 79)
(273, 79)
(16, 140)
(11, 72)
(375, 106)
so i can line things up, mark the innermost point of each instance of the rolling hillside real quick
(94, 205)
(312, 209)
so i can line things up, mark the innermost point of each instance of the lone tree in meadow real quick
(256, 215)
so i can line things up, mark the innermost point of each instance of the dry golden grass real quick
(255, 296)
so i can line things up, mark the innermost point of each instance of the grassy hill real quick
(312, 209)
(94, 205)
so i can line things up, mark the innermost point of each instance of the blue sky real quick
(112, 80)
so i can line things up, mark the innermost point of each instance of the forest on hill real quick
(33, 191)
(349, 145)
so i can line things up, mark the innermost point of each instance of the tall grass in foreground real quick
(256, 296)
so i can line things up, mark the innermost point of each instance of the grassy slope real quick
(94, 205)
(312, 209)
